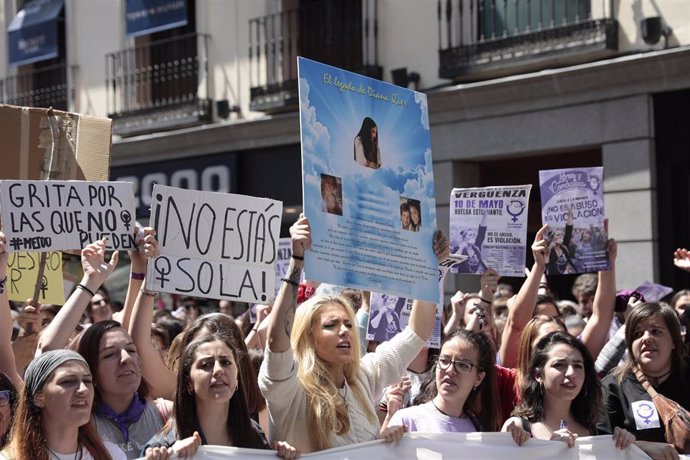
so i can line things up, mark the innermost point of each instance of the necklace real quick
(344, 392)
(436, 407)
(654, 379)
(64, 456)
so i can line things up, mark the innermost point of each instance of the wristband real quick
(288, 281)
(147, 292)
(485, 301)
(297, 257)
(3, 282)
(137, 276)
(85, 289)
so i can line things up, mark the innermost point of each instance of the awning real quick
(147, 16)
(33, 33)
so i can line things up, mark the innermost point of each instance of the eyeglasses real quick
(460, 366)
(97, 303)
(4, 398)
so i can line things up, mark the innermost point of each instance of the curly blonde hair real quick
(327, 413)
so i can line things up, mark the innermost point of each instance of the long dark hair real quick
(586, 406)
(238, 423)
(88, 347)
(370, 145)
(481, 403)
(221, 324)
(6, 384)
(637, 315)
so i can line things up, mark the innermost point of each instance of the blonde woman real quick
(319, 392)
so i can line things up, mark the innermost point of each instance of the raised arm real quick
(595, 333)
(521, 309)
(96, 269)
(423, 314)
(7, 362)
(137, 273)
(161, 379)
(283, 313)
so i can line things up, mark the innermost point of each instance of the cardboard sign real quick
(22, 273)
(62, 215)
(214, 245)
(50, 144)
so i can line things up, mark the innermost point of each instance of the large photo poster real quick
(572, 202)
(368, 183)
(489, 227)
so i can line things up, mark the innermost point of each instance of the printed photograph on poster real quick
(488, 226)
(64, 215)
(214, 245)
(572, 204)
(368, 183)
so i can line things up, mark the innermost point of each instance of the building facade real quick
(203, 94)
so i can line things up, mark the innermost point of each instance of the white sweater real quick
(287, 402)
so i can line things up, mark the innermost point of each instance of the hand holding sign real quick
(540, 249)
(300, 232)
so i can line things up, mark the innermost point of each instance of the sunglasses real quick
(4, 398)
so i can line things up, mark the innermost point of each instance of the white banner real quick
(48, 216)
(437, 446)
(214, 245)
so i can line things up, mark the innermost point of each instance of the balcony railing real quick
(481, 39)
(342, 33)
(43, 87)
(159, 85)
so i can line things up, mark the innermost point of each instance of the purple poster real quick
(572, 202)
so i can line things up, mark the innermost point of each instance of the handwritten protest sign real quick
(489, 226)
(22, 273)
(390, 314)
(214, 245)
(368, 183)
(62, 215)
(572, 202)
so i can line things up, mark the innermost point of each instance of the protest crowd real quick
(303, 378)
(312, 366)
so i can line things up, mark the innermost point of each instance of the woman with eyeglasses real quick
(463, 389)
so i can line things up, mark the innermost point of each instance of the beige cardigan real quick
(287, 402)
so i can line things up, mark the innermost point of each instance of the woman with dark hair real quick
(53, 419)
(8, 402)
(657, 354)
(123, 412)
(561, 396)
(367, 152)
(464, 388)
(415, 215)
(560, 262)
(209, 404)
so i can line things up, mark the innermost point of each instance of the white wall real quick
(94, 28)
